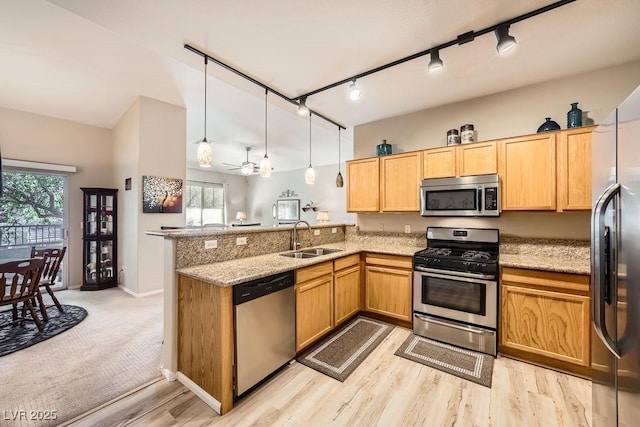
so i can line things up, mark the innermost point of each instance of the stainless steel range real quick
(455, 288)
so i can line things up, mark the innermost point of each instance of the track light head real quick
(354, 91)
(436, 63)
(506, 42)
(303, 110)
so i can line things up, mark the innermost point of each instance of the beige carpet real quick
(115, 349)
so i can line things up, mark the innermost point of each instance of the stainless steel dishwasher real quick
(265, 318)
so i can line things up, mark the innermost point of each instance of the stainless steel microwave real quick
(464, 196)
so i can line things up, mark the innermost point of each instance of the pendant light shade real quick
(265, 164)
(204, 155)
(310, 174)
(339, 180)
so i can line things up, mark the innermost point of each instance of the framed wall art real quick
(161, 195)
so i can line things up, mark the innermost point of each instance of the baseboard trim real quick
(169, 375)
(203, 395)
(142, 295)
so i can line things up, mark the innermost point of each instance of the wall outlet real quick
(241, 241)
(316, 232)
(334, 230)
(381, 227)
(210, 244)
(407, 228)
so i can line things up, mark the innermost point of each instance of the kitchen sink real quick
(320, 251)
(298, 255)
(310, 253)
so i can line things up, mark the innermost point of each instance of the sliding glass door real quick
(33, 214)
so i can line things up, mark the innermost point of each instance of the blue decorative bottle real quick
(574, 116)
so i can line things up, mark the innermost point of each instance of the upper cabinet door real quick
(527, 167)
(400, 182)
(477, 159)
(439, 162)
(574, 169)
(363, 185)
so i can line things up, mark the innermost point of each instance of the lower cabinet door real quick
(347, 293)
(549, 324)
(314, 310)
(388, 292)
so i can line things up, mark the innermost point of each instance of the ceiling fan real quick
(247, 167)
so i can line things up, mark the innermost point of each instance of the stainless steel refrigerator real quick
(615, 267)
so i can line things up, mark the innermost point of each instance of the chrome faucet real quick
(294, 234)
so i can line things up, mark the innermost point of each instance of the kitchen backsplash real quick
(560, 248)
(190, 250)
(355, 235)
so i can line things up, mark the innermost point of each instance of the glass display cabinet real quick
(99, 235)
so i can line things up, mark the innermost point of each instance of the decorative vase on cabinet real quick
(574, 116)
(99, 235)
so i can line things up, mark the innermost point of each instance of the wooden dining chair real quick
(19, 284)
(52, 260)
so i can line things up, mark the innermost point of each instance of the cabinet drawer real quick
(347, 261)
(565, 282)
(308, 273)
(390, 260)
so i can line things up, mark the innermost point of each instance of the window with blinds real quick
(205, 204)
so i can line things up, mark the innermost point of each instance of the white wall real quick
(149, 140)
(235, 189)
(263, 193)
(126, 135)
(511, 113)
(32, 137)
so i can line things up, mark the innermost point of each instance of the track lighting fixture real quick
(436, 63)
(204, 155)
(354, 91)
(265, 164)
(303, 110)
(310, 174)
(506, 42)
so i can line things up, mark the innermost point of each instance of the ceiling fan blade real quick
(229, 164)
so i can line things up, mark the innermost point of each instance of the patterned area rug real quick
(340, 353)
(467, 364)
(14, 338)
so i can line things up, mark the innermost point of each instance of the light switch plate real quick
(241, 241)
(407, 228)
(334, 230)
(210, 244)
(316, 232)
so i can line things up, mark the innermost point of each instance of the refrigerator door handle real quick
(599, 236)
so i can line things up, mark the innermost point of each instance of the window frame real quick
(204, 185)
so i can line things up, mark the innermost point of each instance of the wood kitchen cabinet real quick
(439, 162)
(388, 286)
(347, 288)
(363, 185)
(477, 159)
(545, 318)
(574, 169)
(314, 303)
(400, 182)
(527, 168)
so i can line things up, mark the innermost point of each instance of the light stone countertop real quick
(578, 265)
(182, 232)
(234, 272)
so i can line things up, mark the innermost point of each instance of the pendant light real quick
(339, 180)
(204, 155)
(265, 164)
(310, 174)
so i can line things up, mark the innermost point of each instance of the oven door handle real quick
(454, 274)
(464, 328)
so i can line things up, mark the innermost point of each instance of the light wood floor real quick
(385, 390)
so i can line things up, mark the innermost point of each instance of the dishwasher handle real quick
(249, 291)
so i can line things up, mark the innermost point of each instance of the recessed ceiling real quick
(87, 60)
